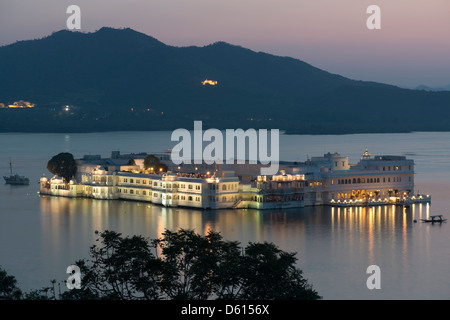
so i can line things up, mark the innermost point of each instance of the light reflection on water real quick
(334, 245)
(41, 236)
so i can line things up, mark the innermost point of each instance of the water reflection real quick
(327, 240)
(357, 225)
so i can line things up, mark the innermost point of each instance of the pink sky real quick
(412, 47)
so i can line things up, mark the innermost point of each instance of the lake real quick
(40, 235)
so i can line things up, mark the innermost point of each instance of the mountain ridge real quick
(122, 79)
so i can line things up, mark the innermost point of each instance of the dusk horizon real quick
(420, 85)
(409, 50)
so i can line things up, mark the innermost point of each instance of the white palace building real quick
(326, 180)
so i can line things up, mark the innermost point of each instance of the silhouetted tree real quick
(63, 165)
(189, 263)
(121, 268)
(151, 162)
(8, 287)
(184, 265)
(270, 273)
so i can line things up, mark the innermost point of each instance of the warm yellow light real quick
(210, 82)
(21, 104)
(160, 169)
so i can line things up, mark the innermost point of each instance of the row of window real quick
(395, 168)
(60, 187)
(272, 198)
(225, 186)
(223, 198)
(175, 197)
(156, 194)
(197, 187)
(280, 185)
(368, 180)
(160, 184)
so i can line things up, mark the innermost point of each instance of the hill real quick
(121, 79)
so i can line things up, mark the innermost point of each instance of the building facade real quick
(327, 180)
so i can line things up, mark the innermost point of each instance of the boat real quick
(15, 178)
(433, 219)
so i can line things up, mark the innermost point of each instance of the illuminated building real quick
(210, 82)
(373, 180)
(327, 180)
(21, 104)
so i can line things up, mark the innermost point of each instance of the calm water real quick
(41, 236)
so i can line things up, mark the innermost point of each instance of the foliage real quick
(270, 273)
(63, 165)
(8, 287)
(183, 265)
(151, 162)
(191, 262)
(121, 268)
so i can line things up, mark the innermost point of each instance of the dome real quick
(366, 154)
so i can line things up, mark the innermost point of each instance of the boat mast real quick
(10, 165)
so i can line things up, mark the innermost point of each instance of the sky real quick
(412, 47)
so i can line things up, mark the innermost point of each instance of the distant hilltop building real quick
(210, 82)
(18, 104)
(326, 180)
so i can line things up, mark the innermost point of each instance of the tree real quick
(122, 268)
(152, 163)
(270, 273)
(184, 265)
(8, 287)
(63, 165)
(190, 262)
